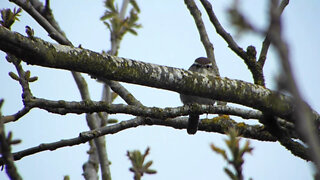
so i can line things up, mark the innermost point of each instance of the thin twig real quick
(248, 56)
(53, 33)
(222, 32)
(16, 116)
(122, 92)
(266, 41)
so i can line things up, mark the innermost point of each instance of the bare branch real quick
(222, 32)
(5, 150)
(64, 107)
(16, 116)
(40, 52)
(249, 57)
(123, 92)
(220, 126)
(304, 124)
(284, 137)
(266, 42)
(53, 33)
(56, 33)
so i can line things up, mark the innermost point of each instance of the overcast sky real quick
(168, 37)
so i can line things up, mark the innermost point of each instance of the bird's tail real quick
(193, 123)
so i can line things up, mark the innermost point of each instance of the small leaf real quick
(135, 5)
(108, 15)
(14, 76)
(16, 13)
(219, 151)
(148, 164)
(108, 25)
(33, 79)
(112, 121)
(151, 171)
(132, 32)
(230, 173)
(8, 17)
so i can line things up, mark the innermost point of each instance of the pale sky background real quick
(168, 37)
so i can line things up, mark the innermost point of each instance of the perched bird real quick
(201, 65)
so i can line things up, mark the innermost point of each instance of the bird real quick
(201, 65)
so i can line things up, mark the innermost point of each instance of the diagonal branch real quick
(122, 92)
(196, 14)
(222, 32)
(53, 33)
(248, 56)
(16, 116)
(266, 41)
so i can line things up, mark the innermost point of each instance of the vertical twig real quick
(5, 150)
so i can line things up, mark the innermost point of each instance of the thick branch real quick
(45, 54)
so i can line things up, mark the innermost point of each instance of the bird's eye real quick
(208, 66)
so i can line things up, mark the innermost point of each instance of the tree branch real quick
(16, 116)
(305, 126)
(222, 32)
(196, 14)
(266, 41)
(248, 56)
(64, 107)
(220, 126)
(45, 54)
(53, 33)
(45, 18)
(7, 158)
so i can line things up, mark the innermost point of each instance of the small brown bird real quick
(201, 65)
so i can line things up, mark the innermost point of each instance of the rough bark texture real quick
(42, 53)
